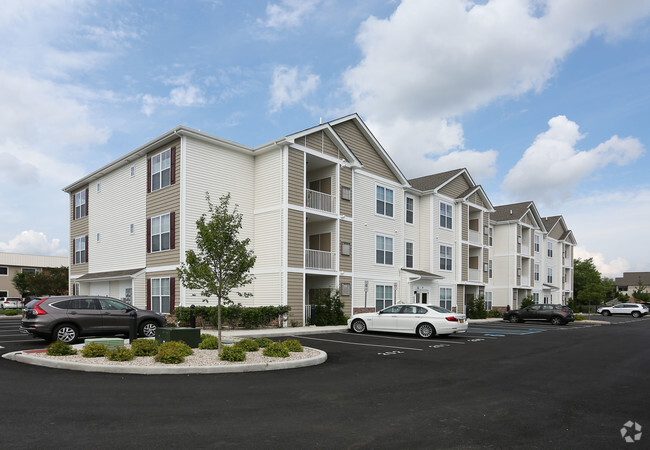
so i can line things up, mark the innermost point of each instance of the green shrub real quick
(144, 347)
(94, 350)
(328, 309)
(293, 345)
(579, 317)
(476, 308)
(120, 354)
(247, 345)
(494, 313)
(60, 348)
(173, 352)
(209, 342)
(233, 315)
(527, 301)
(263, 342)
(12, 312)
(276, 350)
(232, 353)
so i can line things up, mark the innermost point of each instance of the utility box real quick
(191, 336)
(110, 343)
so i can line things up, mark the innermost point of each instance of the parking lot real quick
(500, 385)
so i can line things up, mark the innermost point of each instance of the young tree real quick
(223, 262)
(640, 293)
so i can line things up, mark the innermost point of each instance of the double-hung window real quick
(384, 201)
(80, 250)
(161, 170)
(409, 254)
(160, 295)
(4, 271)
(549, 275)
(383, 296)
(488, 300)
(445, 298)
(384, 250)
(549, 251)
(409, 210)
(537, 243)
(446, 214)
(445, 257)
(536, 272)
(490, 236)
(160, 233)
(80, 205)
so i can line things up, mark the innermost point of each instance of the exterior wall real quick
(345, 262)
(296, 177)
(320, 142)
(14, 263)
(295, 239)
(455, 187)
(79, 228)
(295, 296)
(346, 180)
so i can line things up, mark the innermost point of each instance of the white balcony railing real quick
(525, 250)
(568, 262)
(317, 259)
(475, 237)
(525, 281)
(319, 200)
(474, 275)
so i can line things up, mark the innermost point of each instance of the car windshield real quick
(438, 309)
(32, 303)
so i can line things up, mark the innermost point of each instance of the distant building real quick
(629, 282)
(13, 263)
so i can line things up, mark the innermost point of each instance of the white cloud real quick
(432, 61)
(185, 93)
(33, 243)
(551, 167)
(481, 165)
(288, 13)
(610, 269)
(291, 85)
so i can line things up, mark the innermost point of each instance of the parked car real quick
(424, 320)
(11, 302)
(556, 314)
(634, 309)
(66, 318)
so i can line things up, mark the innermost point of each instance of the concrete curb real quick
(171, 370)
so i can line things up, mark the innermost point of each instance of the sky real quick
(546, 101)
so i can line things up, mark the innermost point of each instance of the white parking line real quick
(357, 343)
(406, 339)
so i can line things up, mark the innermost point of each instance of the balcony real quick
(525, 281)
(320, 201)
(475, 237)
(318, 259)
(525, 250)
(474, 275)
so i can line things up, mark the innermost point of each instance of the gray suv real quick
(556, 314)
(67, 318)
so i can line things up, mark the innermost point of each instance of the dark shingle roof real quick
(430, 182)
(549, 222)
(632, 279)
(514, 211)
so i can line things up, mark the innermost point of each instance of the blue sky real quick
(541, 100)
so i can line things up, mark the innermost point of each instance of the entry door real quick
(424, 297)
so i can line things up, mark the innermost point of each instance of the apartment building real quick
(629, 282)
(13, 263)
(531, 257)
(325, 208)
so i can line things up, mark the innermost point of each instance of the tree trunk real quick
(219, 325)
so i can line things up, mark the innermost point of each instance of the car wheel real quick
(359, 326)
(148, 329)
(607, 313)
(557, 320)
(514, 318)
(426, 330)
(65, 333)
(636, 314)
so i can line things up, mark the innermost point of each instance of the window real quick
(97, 237)
(409, 210)
(445, 257)
(383, 296)
(4, 293)
(445, 298)
(488, 301)
(537, 243)
(132, 228)
(409, 254)
(346, 289)
(77, 289)
(490, 236)
(161, 170)
(80, 205)
(346, 248)
(80, 250)
(132, 171)
(160, 233)
(549, 251)
(536, 272)
(4, 271)
(384, 250)
(99, 187)
(346, 193)
(490, 268)
(28, 270)
(536, 298)
(446, 213)
(160, 295)
(384, 201)
(549, 275)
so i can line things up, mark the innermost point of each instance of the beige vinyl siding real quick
(295, 295)
(465, 261)
(424, 247)
(556, 233)
(460, 299)
(346, 180)
(296, 177)
(364, 151)
(464, 208)
(78, 228)
(295, 244)
(486, 258)
(140, 290)
(455, 187)
(346, 236)
(528, 220)
(486, 223)
(347, 300)
(476, 199)
(320, 142)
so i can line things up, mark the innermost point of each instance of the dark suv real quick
(556, 314)
(69, 317)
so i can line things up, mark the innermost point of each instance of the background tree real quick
(590, 288)
(21, 283)
(223, 262)
(640, 293)
(50, 281)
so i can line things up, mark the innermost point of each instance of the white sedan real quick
(422, 319)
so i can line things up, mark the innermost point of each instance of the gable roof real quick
(632, 279)
(512, 212)
(437, 180)
(481, 192)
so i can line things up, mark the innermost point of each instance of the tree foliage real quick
(51, 281)
(640, 293)
(590, 288)
(222, 262)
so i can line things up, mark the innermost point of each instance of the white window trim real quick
(450, 299)
(385, 202)
(160, 155)
(392, 251)
(440, 215)
(160, 296)
(440, 256)
(406, 254)
(160, 249)
(79, 240)
(78, 204)
(406, 210)
(392, 297)
(4, 274)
